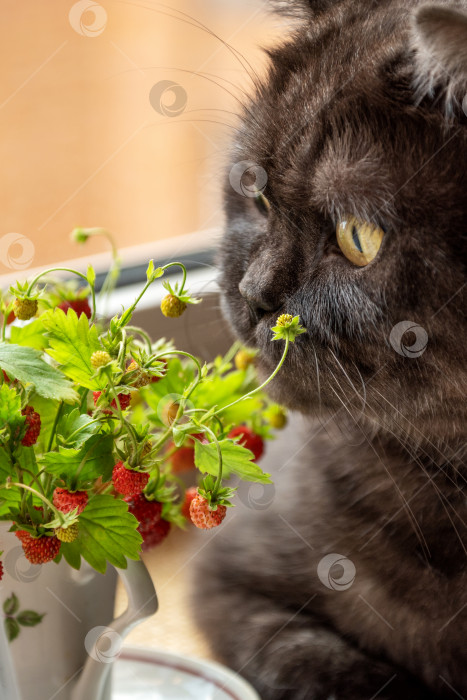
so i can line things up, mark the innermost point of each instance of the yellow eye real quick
(262, 203)
(359, 240)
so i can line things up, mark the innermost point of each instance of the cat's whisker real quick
(410, 514)
(406, 446)
(418, 431)
(351, 384)
(318, 384)
(186, 18)
(429, 478)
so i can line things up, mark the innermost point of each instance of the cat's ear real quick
(440, 34)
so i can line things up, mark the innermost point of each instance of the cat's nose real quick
(260, 293)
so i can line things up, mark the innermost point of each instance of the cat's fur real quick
(361, 113)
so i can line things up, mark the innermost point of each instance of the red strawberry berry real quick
(6, 378)
(189, 496)
(11, 318)
(33, 423)
(154, 536)
(66, 501)
(146, 512)
(151, 526)
(123, 400)
(81, 306)
(127, 481)
(1, 570)
(183, 459)
(203, 516)
(38, 550)
(250, 440)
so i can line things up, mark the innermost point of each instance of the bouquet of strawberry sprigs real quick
(98, 421)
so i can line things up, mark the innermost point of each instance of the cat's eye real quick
(359, 240)
(262, 203)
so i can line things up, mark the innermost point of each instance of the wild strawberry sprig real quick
(98, 421)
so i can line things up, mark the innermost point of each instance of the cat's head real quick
(360, 127)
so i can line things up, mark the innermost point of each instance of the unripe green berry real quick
(278, 419)
(172, 306)
(243, 359)
(100, 358)
(25, 308)
(68, 534)
(140, 378)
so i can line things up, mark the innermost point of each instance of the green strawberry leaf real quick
(29, 618)
(9, 502)
(26, 458)
(11, 628)
(6, 468)
(27, 365)
(32, 335)
(91, 275)
(72, 342)
(107, 533)
(11, 605)
(235, 459)
(93, 459)
(77, 426)
(10, 407)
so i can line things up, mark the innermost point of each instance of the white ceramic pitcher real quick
(62, 620)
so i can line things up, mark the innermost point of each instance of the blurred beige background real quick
(90, 135)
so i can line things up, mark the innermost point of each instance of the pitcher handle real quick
(142, 603)
(8, 685)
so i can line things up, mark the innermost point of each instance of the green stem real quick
(54, 426)
(218, 481)
(261, 387)
(124, 424)
(73, 272)
(178, 264)
(184, 398)
(143, 334)
(43, 498)
(8, 310)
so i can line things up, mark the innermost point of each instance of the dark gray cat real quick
(352, 583)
